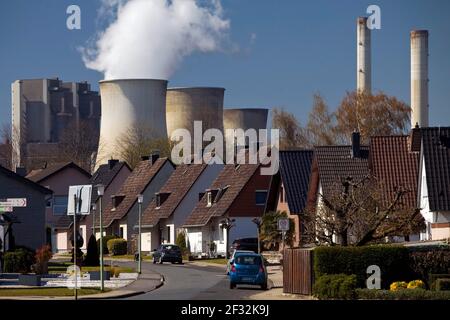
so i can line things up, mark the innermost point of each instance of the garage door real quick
(146, 241)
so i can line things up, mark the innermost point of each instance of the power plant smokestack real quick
(419, 78)
(130, 108)
(364, 63)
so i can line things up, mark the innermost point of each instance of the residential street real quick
(191, 282)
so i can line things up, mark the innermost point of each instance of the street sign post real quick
(13, 202)
(283, 226)
(79, 203)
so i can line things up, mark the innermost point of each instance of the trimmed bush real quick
(392, 259)
(18, 261)
(429, 260)
(335, 286)
(416, 284)
(92, 256)
(398, 285)
(181, 242)
(443, 284)
(434, 277)
(412, 294)
(105, 243)
(117, 247)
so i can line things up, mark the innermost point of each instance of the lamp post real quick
(75, 242)
(257, 221)
(94, 208)
(140, 200)
(101, 192)
(227, 224)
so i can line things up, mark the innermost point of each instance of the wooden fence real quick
(298, 271)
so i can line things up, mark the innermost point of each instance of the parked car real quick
(233, 255)
(167, 253)
(245, 244)
(248, 268)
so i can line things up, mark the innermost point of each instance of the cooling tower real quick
(186, 105)
(419, 78)
(130, 104)
(364, 67)
(245, 118)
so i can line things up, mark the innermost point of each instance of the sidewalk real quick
(147, 281)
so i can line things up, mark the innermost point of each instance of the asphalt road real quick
(193, 282)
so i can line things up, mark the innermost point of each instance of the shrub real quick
(398, 285)
(117, 247)
(18, 261)
(434, 277)
(443, 284)
(92, 255)
(413, 294)
(42, 257)
(105, 242)
(392, 260)
(416, 284)
(181, 242)
(335, 286)
(426, 260)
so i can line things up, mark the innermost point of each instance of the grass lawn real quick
(217, 261)
(128, 257)
(49, 292)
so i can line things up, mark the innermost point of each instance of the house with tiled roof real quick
(163, 218)
(239, 192)
(23, 226)
(120, 212)
(59, 177)
(111, 175)
(289, 187)
(395, 166)
(434, 180)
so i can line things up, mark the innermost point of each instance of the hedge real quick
(18, 261)
(443, 284)
(429, 260)
(393, 261)
(405, 294)
(117, 247)
(434, 277)
(335, 286)
(105, 243)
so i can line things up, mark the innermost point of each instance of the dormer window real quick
(160, 198)
(158, 201)
(209, 199)
(116, 200)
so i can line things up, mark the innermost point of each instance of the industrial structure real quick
(419, 78)
(245, 118)
(127, 105)
(186, 105)
(42, 112)
(364, 62)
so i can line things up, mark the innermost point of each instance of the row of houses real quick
(195, 199)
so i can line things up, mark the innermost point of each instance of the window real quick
(158, 201)
(209, 198)
(121, 233)
(260, 197)
(60, 205)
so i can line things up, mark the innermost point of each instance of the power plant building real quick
(42, 112)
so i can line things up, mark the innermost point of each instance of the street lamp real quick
(257, 221)
(227, 224)
(100, 193)
(94, 208)
(140, 198)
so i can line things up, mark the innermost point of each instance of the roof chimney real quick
(363, 57)
(356, 144)
(145, 158)
(419, 78)
(21, 171)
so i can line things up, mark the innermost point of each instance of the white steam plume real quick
(149, 38)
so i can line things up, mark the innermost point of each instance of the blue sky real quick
(301, 47)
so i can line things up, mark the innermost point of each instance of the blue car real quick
(248, 268)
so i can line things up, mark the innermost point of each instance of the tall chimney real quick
(419, 78)
(363, 62)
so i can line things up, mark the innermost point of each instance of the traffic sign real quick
(83, 195)
(13, 202)
(6, 209)
(283, 224)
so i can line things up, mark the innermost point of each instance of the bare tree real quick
(140, 140)
(8, 147)
(291, 132)
(355, 213)
(79, 143)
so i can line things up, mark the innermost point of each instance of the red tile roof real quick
(135, 184)
(177, 186)
(39, 175)
(395, 166)
(232, 179)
